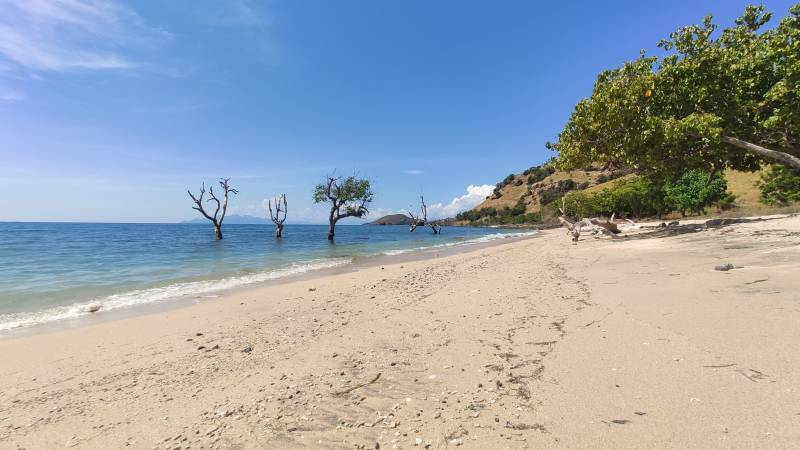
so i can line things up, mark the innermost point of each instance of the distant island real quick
(233, 219)
(392, 219)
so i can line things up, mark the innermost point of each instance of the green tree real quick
(780, 186)
(716, 100)
(695, 190)
(349, 197)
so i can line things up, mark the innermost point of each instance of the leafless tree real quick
(435, 226)
(222, 206)
(276, 216)
(414, 220)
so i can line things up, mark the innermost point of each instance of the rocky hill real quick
(392, 219)
(531, 196)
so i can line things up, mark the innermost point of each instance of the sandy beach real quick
(627, 343)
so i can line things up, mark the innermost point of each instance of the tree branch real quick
(781, 157)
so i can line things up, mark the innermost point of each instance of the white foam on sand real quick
(193, 289)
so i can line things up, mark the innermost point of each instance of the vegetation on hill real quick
(720, 106)
(527, 198)
(780, 186)
(392, 219)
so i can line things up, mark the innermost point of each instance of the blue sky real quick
(110, 110)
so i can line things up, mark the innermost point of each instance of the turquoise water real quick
(56, 271)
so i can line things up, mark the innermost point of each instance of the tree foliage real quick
(349, 197)
(642, 196)
(780, 185)
(695, 190)
(716, 100)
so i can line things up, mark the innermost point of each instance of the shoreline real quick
(353, 265)
(538, 343)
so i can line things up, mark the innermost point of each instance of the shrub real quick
(538, 173)
(555, 191)
(635, 197)
(780, 185)
(695, 190)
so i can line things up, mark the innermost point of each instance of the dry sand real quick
(635, 343)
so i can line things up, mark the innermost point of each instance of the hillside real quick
(392, 219)
(528, 197)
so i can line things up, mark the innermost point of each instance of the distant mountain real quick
(392, 219)
(232, 219)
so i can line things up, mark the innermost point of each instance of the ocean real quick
(51, 272)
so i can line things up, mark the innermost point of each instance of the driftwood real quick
(276, 216)
(217, 218)
(574, 228)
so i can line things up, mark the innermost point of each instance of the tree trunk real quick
(331, 229)
(784, 158)
(217, 231)
(278, 231)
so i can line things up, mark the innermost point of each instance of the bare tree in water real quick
(349, 197)
(221, 206)
(422, 220)
(276, 216)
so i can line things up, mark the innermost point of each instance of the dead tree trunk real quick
(221, 207)
(414, 221)
(435, 227)
(276, 217)
(332, 225)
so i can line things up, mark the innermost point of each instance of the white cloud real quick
(412, 172)
(474, 196)
(65, 35)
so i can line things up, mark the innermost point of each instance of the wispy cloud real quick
(232, 13)
(11, 96)
(412, 172)
(68, 35)
(474, 196)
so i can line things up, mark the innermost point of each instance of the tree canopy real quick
(349, 197)
(717, 99)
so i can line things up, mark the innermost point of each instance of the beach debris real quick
(724, 267)
(640, 413)
(93, 307)
(247, 349)
(358, 386)
(595, 225)
(620, 421)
